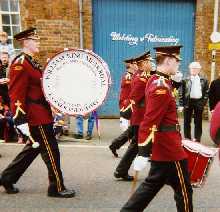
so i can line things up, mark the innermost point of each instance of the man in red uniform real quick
(131, 67)
(160, 126)
(136, 103)
(33, 118)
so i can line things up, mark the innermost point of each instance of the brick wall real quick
(204, 28)
(87, 21)
(58, 24)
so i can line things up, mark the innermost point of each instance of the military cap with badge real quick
(30, 33)
(143, 57)
(170, 51)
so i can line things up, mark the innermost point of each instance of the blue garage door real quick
(125, 28)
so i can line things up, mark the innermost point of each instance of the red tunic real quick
(25, 83)
(161, 111)
(137, 96)
(125, 90)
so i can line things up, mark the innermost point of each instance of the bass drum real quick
(76, 81)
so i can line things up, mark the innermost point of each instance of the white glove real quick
(177, 77)
(124, 123)
(140, 163)
(180, 109)
(24, 128)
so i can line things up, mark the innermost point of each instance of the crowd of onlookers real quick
(7, 130)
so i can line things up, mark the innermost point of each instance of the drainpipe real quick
(215, 28)
(81, 23)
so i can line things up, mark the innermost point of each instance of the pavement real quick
(88, 167)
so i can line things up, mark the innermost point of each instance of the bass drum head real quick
(76, 81)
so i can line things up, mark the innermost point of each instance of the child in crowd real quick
(7, 131)
(60, 128)
(5, 45)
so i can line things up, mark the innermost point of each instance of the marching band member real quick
(33, 118)
(131, 67)
(160, 126)
(137, 105)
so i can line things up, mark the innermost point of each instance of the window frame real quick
(10, 13)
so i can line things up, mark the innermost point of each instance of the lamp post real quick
(215, 28)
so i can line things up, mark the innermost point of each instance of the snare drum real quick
(200, 158)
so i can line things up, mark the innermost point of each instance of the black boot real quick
(66, 193)
(78, 136)
(113, 150)
(125, 177)
(9, 187)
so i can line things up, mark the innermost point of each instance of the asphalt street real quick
(88, 167)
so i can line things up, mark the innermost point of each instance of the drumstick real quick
(134, 182)
(34, 143)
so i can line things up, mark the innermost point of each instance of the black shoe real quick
(126, 177)
(78, 136)
(9, 188)
(88, 137)
(113, 150)
(62, 194)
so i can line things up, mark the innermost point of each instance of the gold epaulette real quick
(145, 74)
(20, 59)
(150, 138)
(161, 82)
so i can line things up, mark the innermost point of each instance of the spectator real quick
(214, 93)
(4, 85)
(79, 126)
(5, 46)
(60, 127)
(193, 98)
(4, 57)
(7, 131)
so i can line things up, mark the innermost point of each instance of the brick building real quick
(58, 23)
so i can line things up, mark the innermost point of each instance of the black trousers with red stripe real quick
(50, 154)
(128, 157)
(174, 174)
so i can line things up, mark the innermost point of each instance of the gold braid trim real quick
(51, 158)
(150, 138)
(129, 106)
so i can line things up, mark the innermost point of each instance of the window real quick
(10, 18)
